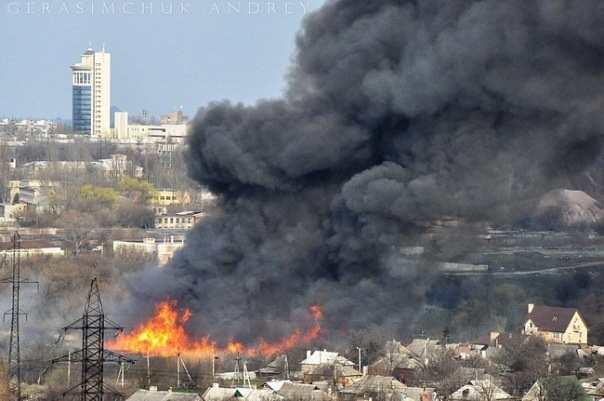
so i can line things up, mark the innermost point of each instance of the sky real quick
(165, 55)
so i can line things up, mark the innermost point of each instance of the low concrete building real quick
(30, 248)
(163, 250)
(180, 220)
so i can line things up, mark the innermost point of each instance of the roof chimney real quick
(530, 307)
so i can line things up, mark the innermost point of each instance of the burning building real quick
(396, 113)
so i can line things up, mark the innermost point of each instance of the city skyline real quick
(166, 56)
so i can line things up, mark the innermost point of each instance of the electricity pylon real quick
(14, 353)
(93, 355)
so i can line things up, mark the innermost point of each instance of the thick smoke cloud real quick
(397, 114)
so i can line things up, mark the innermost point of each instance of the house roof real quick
(275, 385)
(476, 389)
(549, 318)
(41, 244)
(216, 393)
(417, 394)
(149, 395)
(250, 394)
(536, 392)
(275, 367)
(374, 383)
(299, 391)
(422, 347)
(325, 357)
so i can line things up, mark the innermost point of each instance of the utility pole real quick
(14, 353)
(93, 355)
(236, 372)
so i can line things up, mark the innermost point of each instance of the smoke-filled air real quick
(397, 116)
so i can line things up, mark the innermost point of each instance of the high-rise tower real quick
(91, 89)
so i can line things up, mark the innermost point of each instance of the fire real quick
(165, 335)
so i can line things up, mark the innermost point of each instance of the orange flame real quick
(164, 335)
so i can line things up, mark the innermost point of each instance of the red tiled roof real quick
(553, 319)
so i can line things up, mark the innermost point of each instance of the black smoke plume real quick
(397, 114)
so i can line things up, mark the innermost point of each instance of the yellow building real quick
(166, 197)
(556, 325)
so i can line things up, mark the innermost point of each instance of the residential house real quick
(555, 324)
(297, 391)
(423, 349)
(594, 389)
(217, 393)
(155, 395)
(397, 360)
(384, 388)
(277, 368)
(316, 358)
(320, 365)
(342, 375)
(481, 390)
(540, 389)
(253, 394)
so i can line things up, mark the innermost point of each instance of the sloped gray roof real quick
(258, 394)
(416, 393)
(147, 395)
(302, 392)
(476, 389)
(216, 393)
(275, 385)
(373, 384)
(422, 347)
(275, 367)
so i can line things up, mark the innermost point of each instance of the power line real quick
(14, 353)
(93, 355)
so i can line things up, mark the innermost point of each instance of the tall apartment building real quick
(91, 91)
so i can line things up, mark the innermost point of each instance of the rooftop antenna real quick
(14, 354)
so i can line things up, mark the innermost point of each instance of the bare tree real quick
(78, 227)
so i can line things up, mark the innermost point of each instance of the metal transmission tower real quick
(14, 353)
(93, 355)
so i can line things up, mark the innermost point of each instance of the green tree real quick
(136, 189)
(101, 196)
(563, 388)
